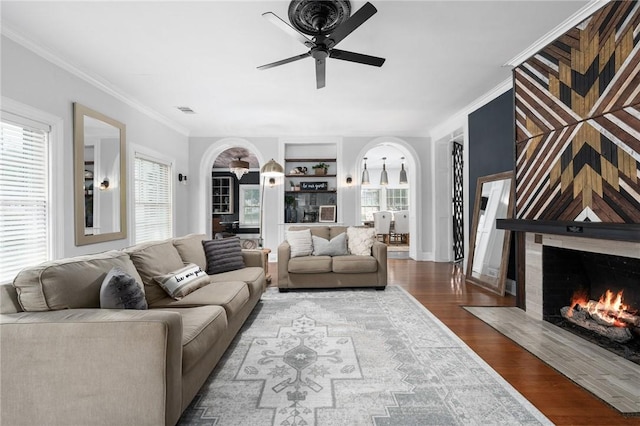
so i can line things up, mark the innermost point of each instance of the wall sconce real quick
(104, 185)
(349, 180)
(182, 178)
(272, 182)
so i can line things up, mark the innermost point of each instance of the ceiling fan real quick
(329, 22)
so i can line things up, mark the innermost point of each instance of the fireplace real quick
(558, 265)
(594, 295)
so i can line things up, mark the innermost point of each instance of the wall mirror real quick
(99, 146)
(489, 247)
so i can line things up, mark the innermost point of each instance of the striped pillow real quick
(223, 255)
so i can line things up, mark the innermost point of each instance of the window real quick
(153, 199)
(397, 199)
(370, 203)
(25, 208)
(250, 205)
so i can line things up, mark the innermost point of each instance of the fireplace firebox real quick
(594, 295)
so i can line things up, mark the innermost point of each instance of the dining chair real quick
(400, 232)
(382, 225)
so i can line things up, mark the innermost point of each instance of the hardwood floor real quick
(441, 288)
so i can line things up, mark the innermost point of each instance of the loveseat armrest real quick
(79, 366)
(284, 254)
(379, 252)
(252, 257)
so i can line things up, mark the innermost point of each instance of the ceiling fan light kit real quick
(328, 22)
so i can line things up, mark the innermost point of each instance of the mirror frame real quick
(500, 284)
(79, 112)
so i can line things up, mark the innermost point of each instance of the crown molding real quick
(94, 80)
(582, 14)
(458, 120)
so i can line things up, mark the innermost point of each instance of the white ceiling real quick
(441, 56)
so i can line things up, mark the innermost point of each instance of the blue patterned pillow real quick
(223, 255)
(120, 290)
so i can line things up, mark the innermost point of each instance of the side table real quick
(265, 264)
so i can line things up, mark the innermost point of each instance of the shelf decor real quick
(327, 214)
(314, 186)
(320, 168)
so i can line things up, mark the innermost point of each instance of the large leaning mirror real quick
(489, 247)
(99, 145)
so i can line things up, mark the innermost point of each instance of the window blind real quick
(24, 198)
(153, 200)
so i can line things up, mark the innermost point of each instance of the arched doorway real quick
(391, 195)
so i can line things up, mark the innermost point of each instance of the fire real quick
(607, 309)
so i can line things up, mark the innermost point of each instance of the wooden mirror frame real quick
(79, 113)
(496, 284)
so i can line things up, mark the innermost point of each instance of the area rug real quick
(353, 357)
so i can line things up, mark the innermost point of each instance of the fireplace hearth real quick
(595, 296)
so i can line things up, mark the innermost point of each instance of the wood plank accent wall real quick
(577, 119)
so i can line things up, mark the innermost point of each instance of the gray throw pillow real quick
(223, 255)
(120, 290)
(336, 247)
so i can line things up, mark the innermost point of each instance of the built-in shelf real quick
(596, 230)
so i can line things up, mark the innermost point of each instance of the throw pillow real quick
(300, 242)
(336, 247)
(185, 280)
(223, 255)
(361, 240)
(120, 290)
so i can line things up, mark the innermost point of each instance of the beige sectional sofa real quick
(331, 271)
(66, 361)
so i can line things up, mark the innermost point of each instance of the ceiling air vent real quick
(186, 110)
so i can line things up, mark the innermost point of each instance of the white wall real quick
(31, 80)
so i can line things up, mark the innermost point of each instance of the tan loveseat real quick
(331, 271)
(65, 361)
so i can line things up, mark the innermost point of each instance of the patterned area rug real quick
(353, 357)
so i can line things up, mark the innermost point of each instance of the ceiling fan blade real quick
(284, 61)
(356, 57)
(357, 19)
(280, 23)
(321, 66)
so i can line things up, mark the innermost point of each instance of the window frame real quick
(22, 114)
(242, 207)
(153, 157)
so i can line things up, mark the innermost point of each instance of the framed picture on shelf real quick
(327, 214)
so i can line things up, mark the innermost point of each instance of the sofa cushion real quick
(202, 328)
(300, 242)
(190, 249)
(337, 246)
(153, 259)
(120, 290)
(223, 255)
(354, 264)
(360, 240)
(310, 265)
(185, 280)
(69, 283)
(252, 275)
(231, 295)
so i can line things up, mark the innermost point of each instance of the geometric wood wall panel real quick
(577, 115)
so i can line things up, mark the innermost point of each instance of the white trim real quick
(92, 79)
(582, 14)
(457, 120)
(56, 168)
